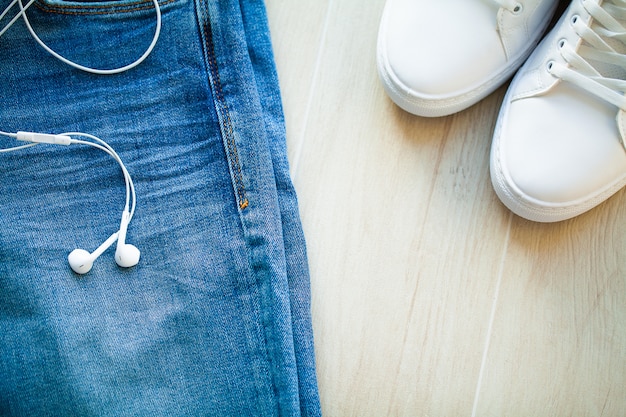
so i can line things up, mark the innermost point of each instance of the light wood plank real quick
(297, 30)
(559, 341)
(393, 207)
(429, 297)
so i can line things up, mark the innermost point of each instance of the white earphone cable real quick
(131, 198)
(16, 148)
(17, 16)
(22, 13)
(81, 261)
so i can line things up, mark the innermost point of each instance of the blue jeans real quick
(215, 319)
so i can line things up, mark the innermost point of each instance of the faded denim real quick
(215, 319)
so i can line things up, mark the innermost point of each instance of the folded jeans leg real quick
(214, 318)
(261, 57)
(264, 98)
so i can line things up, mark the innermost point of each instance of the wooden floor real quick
(429, 297)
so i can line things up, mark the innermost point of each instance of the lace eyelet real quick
(561, 44)
(574, 19)
(549, 66)
(518, 8)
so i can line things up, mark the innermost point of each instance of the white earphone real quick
(126, 255)
(81, 261)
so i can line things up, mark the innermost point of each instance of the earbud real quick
(126, 255)
(81, 261)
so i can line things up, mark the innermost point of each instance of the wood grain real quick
(429, 297)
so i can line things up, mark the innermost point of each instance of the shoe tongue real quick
(621, 125)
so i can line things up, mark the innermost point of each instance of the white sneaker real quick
(438, 57)
(558, 147)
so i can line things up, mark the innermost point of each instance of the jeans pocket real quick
(103, 37)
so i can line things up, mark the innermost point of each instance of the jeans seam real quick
(226, 122)
(97, 9)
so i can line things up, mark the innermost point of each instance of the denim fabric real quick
(215, 319)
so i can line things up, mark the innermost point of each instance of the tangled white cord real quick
(81, 261)
(22, 14)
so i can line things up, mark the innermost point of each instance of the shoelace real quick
(597, 48)
(511, 5)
